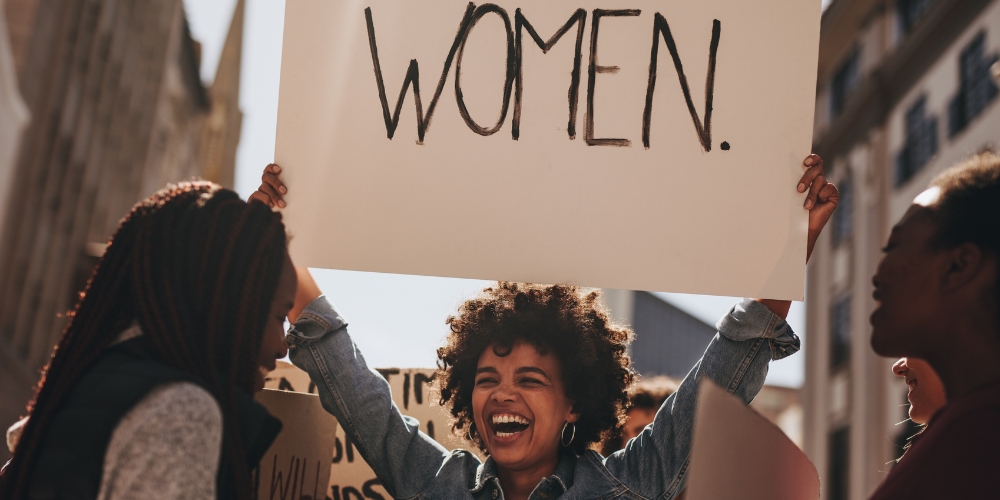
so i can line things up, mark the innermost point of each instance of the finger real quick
(261, 197)
(276, 199)
(829, 194)
(275, 182)
(809, 176)
(817, 185)
(812, 159)
(828, 199)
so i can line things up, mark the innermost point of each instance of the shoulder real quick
(169, 442)
(177, 407)
(972, 434)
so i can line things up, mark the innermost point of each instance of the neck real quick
(969, 364)
(518, 484)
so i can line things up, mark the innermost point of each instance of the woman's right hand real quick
(271, 190)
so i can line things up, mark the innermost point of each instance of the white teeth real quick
(504, 419)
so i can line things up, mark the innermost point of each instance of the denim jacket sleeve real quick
(403, 458)
(655, 463)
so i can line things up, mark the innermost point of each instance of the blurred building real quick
(14, 114)
(904, 91)
(669, 341)
(118, 110)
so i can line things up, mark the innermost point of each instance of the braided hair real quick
(197, 268)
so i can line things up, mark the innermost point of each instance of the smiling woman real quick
(529, 367)
(535, 374)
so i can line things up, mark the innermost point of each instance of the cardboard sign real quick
(739, 454)
(653, 146)
(296, 464)
(350, 477)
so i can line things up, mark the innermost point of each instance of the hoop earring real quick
(572, 436)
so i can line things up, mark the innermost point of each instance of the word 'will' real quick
(513, 76)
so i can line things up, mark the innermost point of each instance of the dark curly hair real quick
(968, 209)
(563, 320)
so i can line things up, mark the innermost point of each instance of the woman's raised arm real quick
(753, 333)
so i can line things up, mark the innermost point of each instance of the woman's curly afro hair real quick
(563, 320)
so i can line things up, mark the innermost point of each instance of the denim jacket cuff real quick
(317, 319)
(750, 319)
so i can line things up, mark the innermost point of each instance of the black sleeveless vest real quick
(71, 459)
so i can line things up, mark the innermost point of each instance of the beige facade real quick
(118, 110)
(14, 116)
(904, 92)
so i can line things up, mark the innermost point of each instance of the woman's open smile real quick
(521, 406)
(508, 427)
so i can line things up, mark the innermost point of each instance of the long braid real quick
(197, 268)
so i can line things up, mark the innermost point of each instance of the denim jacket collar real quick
(561, 478)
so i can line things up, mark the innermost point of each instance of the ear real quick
(967, 264)
(572, 416)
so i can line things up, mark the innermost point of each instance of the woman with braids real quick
(147, 394)
(533, 376)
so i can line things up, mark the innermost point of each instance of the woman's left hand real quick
(821, 198)
(272, 189)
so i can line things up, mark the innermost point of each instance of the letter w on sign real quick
(679, 184)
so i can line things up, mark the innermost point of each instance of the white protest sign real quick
(653, 146)
(738, 454)
(296, 464)
(350, 477)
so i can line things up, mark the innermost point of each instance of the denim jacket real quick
(412, 465)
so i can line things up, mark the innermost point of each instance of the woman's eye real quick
(485, 381)
(531, 381)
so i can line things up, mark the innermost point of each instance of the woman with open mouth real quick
(534, 375)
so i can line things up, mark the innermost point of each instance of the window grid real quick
(921, 142)
(843, 224)
(910, 12)
(840, 332)
(837, 473)
(844, 82)
(976, 87)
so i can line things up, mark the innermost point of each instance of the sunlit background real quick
(96, 114)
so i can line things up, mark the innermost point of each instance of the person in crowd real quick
(926, 393)
(534, 375)
(645, 397)
(148, 392)
(936, 293)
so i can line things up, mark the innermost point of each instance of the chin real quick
(882, 343)
(258, 381)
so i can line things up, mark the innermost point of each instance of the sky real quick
(396, 320)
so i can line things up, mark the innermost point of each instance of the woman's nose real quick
(282, 349)
(900, 368)
(504, 393)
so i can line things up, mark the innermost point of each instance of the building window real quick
(910, 12)
(842, 217)
(840, 332)
(921, 142)
(837, 465)
(844, 82)
(976, 87)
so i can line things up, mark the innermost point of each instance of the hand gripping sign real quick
(655, 145)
